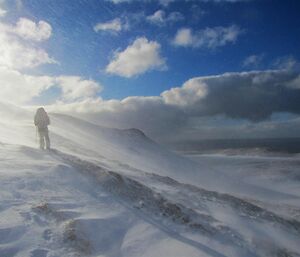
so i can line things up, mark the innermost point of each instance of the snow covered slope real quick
(110, 192)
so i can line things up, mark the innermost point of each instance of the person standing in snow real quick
(41, 121)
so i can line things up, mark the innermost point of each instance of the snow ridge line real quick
(244, 207)
(146, 200)
(139, 196)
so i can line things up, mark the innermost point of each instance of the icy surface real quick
(108, 192)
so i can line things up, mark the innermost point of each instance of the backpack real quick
(41, 119)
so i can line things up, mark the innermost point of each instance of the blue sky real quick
(197, 68)
(270, 29)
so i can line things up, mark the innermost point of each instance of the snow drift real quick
(112, 192)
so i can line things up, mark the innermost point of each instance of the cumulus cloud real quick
(16, 47)
(142, 55)
(167, 2)
(207, 38)
(158, 17)
(114, 25)
(75, 88)
(246, 97)
(20, 88)
(120, 1)
(253, 60)
(19, 50)
(183, 37)
(2, 12)
(286, 62)
(28, 29)
(19, 56)
(295, 83)
(190, 93)
(161, 18)
(2, 9)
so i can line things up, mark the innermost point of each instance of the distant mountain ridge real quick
(279, 145)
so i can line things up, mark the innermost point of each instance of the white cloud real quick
(245, 96)
(2, 9)
(286, 62)
(2, 12)
(167, 2)
(19, 88)
(120, 1)
(253, 60)
(20, 53)
(190, 93)
(114, 25)
(175, 16)
(75, 88)
(295, 83)
(207, 38)
(160, 17)
(141, 56)
(19, 50)
(184, 37)
(85, 106)
(30, 30)
(162, 2)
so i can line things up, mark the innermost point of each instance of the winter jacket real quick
(41, 119)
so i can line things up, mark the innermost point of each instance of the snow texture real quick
(110, 192)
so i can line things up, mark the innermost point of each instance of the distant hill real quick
(279, 145)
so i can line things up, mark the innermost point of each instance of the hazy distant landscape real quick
(260, 146)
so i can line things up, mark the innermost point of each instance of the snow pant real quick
(44, 138)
